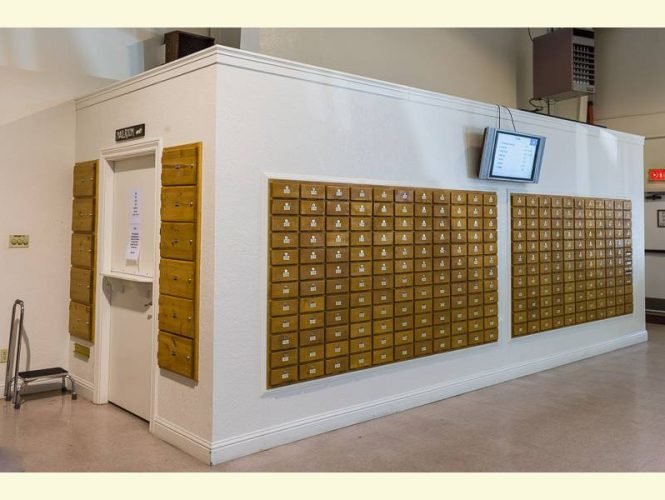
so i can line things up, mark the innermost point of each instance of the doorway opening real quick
(125, 354)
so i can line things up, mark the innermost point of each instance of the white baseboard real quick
(263, 439)
(181, 438)
(84, 388)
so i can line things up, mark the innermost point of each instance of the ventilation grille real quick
(583, 65)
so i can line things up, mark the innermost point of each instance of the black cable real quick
(511, 118)
(536, 107)
(498, 107)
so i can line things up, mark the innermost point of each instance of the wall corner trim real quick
(263, 439)
(188, 442)
(84, 388)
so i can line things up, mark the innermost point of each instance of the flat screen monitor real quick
(511, 156)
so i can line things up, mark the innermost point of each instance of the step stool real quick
(15, 384)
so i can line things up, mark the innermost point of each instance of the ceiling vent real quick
(564, 64)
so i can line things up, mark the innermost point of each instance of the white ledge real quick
(251, 61)
(138, 278)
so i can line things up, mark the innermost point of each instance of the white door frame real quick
(103, 245)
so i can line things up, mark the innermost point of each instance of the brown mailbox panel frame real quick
(365, 275)
(178, 346)
(571, 261)
(84, 190)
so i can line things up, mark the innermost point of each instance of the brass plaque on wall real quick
(364, 275)
(82, 350)
(571, 261)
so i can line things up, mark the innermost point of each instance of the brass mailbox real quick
(559, 271)
(83, 255)
(363, 275)
(179, 265)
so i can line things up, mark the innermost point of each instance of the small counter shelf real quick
(128, 277)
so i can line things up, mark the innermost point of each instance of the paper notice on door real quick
(135, 215)
(134, 243)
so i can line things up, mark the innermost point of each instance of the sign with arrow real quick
(128, 133)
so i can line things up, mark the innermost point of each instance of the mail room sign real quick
(129, 133)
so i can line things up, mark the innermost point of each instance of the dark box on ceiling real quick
(564, 64)
(181, 43)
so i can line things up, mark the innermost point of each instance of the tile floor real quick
(602, 414)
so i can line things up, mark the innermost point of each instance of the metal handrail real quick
(13, 357)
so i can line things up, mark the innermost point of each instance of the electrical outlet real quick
(3, 355)
(19, 240)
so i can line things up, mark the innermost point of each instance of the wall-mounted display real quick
(180, 237)
(364, 275)
(571, 261)
(511, 156)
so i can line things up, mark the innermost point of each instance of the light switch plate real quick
(3, 355)
(19, 240)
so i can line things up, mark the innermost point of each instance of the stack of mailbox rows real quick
(179, 260)
(366, 275)
(571, 261)
(82, 273)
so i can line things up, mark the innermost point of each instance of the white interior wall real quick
(36, 193)
(631, 98)
(54, 128)
(43, 67)
(284, 119)
(486, 64)
(110, 53)
(654, 157)
(654, 240)
(474, 63)
(179, 111)
(26, 92)
(630, 67)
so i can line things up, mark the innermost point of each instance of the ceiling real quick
(41, 68)
(24, 92)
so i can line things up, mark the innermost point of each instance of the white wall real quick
(477, 64)
(110, 53)
(41, 71)
(283, 119)
(179, 111)
(486, 64)
(630, 66)
(631, 97)
(36, 193)
(258, 116)
(40, 68)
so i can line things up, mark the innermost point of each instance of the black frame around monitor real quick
(489, 150)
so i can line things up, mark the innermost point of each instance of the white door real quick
(133, 218)
(130, 352)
